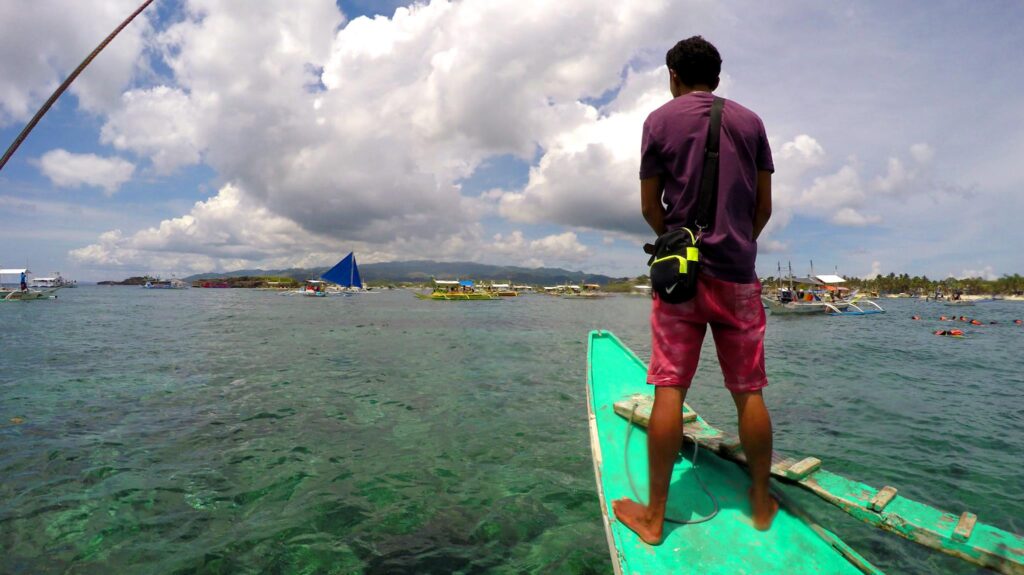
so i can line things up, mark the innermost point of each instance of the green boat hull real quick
(441, 296)
(728, 544)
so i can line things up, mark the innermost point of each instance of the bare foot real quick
(637, 517)
(763, 509)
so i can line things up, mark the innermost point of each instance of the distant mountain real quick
(423, 270)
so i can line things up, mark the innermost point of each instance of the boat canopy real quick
(500, 286)
(466, 283)
(446, 282)
(13, 272)
(830, 279)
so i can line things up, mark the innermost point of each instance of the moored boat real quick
(619, 404)
(164, 284)
(56, 281)
(586, 291)
(456, 290)
(16, 292)
(816, 295)
(501, 290)
(311, 288)
(345, 277)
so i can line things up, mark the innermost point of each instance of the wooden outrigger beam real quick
(960, 536)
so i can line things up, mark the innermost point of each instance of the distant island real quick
(422, 271)
(132, 281)
(213, 281)
(245, 282)
(398, 274)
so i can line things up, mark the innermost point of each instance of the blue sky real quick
(219, 135)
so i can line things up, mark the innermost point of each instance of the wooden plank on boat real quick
(882, 498)
(965, 526)
(641, 405)
(803, 468)
(985, 545)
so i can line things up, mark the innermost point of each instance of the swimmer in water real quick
(916, 317)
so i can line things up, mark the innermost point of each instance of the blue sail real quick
(345, 273)
(356, 281)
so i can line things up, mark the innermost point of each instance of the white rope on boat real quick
(696, 448)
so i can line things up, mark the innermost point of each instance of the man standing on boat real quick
(728, 292)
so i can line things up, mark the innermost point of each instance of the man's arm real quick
(763, 209)
(650, 203)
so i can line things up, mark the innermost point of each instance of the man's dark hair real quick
(695, 61)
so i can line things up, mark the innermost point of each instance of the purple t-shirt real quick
(673, 148)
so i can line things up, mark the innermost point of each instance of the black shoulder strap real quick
(707, 200)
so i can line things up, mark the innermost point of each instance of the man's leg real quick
(664, 439)
(756, 437)
(738, 325)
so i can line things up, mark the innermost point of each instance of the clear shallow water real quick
(223, 431)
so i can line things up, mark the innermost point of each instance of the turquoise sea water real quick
(238, 431)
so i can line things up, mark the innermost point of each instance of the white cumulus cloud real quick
(159, 123)
(69, 170)
(360, 133)
(44, 40)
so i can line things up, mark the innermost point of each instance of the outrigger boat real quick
(816, 295)
(57, 281)
(956, 301)
(15, 293)
(587, 291)
(456, 290)
(501, 290)
(619, 403)
(165, 284)
(310, 288)
(345, 277)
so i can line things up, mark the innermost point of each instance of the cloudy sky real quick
(228, 134)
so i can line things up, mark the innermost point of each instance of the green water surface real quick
(239, 431)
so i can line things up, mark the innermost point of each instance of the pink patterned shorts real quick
(737, 321)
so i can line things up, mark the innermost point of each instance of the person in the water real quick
(728, 293)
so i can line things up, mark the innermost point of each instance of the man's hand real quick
(763, 209)
(650, 203)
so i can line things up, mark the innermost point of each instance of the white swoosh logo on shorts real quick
(671, 289)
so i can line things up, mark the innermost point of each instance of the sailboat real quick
(345, 274)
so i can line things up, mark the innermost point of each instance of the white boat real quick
(165, 284)
(312, 288)
(15, 292)
(344, 277)
(587, 291)
(56, 281)
(958, 302)
(817, 295)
